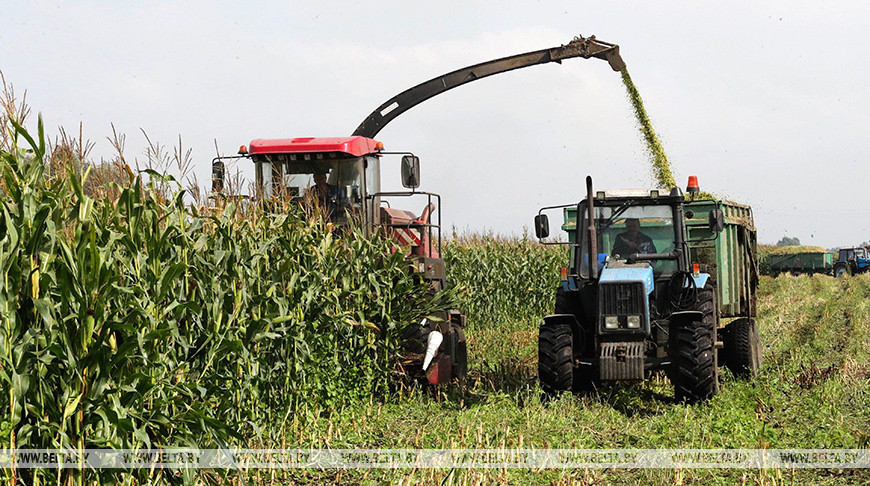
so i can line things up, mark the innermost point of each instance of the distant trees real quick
(789, 241)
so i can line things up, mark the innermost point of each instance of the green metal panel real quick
(816, 262)
(730, 257)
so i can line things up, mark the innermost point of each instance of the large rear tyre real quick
(555, 358)
(695, 373)
(841, 271)
(695, 376)
(743, 348)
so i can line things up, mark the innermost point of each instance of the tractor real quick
(852, 261)
(636, 296)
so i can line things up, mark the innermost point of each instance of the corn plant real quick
(137, 322)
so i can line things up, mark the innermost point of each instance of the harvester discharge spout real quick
(584, 47)
(590, 47)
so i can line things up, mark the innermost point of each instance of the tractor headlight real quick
(611, 322)
(634, 322)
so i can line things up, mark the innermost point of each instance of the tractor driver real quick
(332, 197)
(632, 240)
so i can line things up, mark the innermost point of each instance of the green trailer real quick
(732, 257)
(802, 262)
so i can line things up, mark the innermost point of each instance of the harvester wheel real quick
(555, 358)
(743, 347)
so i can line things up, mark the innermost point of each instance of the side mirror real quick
(217, 176)
(542, 226)
(410, 171)
(716, 221)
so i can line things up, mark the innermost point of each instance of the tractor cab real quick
(634, 229)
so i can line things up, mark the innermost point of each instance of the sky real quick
(766, 102)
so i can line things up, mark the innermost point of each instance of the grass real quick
(813, 392)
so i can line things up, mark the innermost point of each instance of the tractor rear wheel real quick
(840, 270)
(555, 358)
(743, 347)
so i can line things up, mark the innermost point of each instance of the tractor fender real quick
(569, 319)
(686, 316)
(701, 280)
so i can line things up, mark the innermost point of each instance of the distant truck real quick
(801, 260)
(851, 261)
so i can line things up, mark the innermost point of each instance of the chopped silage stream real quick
(661, 167)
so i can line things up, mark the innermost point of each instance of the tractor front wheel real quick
(555, 358)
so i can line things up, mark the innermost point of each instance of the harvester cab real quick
(631, 299)
(339, 179)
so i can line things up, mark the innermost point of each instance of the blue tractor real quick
(851, 261)
(635, 297)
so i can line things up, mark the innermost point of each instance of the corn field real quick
(502, 280)
(138, 321)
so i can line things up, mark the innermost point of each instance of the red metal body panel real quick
(356, 146)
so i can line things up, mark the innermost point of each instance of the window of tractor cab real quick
(614, 223)
(293, 175)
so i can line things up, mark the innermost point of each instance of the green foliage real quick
(504, 280)
(135, 321)
(789, 241)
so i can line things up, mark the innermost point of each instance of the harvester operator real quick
(332, 197)
(632, 240)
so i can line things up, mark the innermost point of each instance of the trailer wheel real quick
(840, 271)
(743, 347)
(555, 358)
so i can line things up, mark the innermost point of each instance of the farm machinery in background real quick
(630, 305)
(851, 261)
(343, 174)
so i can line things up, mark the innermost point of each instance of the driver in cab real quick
(332, 196)
(632, 240)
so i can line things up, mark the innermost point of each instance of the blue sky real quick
(766, 102)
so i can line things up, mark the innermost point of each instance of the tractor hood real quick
(617, 271)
